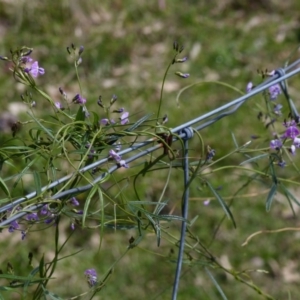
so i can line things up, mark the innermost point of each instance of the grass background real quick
(128, 45)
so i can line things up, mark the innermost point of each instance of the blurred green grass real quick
(127, 47)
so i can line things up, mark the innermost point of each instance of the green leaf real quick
(87, 203)
(41, 267)
(216, 284)
(51, 295)
(38, 183)
(96, 119)
(24, 171)
(46, 130)
(4, 187)
(30, 281)
(289, 195)
(20, 278)
(252, 159)
(80, 116)
(157, 216)
(6, 288)
(234, 140)
(133, 203)
(139, 122)
(271, 196)
(223, 204)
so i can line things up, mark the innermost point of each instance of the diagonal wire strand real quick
(221, 112)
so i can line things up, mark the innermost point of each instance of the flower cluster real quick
(123, 118)
(45, 213)
(91, 276)
(273, 93)
(292, 132)
(178, 49)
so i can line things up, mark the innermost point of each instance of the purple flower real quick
(120, 110)
(206, 202)
(58, 105)
(249, 87)
(296, 142)
(114, 155)
(210, 153)
(32, 217)
(275, 144)
(122, 163)
(13, 226)
(91, 276)
(182, 75)
(292, 131)
(26, 59)
(274, 91)
(277, 109)
(74, 201)
(72, 226)
(104, 122)
(23, 233)
(124, 118)
(293, 149)
(51, 219)
(78, 99)
(44, 210)
(282, 164)
(35, 70)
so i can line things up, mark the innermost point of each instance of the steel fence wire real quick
(182, 133)
(280, 76)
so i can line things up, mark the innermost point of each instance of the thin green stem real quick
(163, 84)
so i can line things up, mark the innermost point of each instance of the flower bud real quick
(99, 102)
(175, 46)
(81, 49)
(182, 75)
(79, 61)
(113, 99)
(181, 60)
